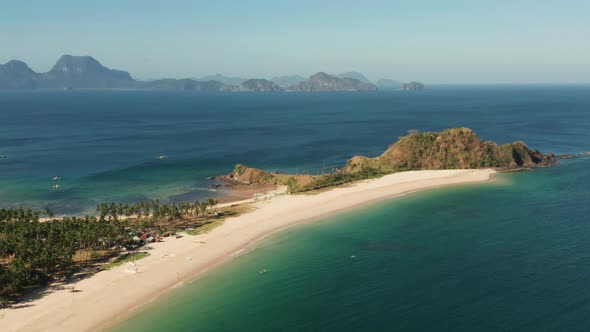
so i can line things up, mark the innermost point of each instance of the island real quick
(324, 82)
(413, 86)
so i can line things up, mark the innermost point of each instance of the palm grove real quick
(36, 248)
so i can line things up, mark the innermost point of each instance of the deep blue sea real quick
(104, 144)
(512, 255)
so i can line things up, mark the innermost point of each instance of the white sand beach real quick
(110, 296)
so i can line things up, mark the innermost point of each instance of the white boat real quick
(55, 178)
(263, 271)
(56, 186)
(162, 157)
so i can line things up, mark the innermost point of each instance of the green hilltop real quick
(456, 148)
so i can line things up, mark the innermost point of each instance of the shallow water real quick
(508, 255)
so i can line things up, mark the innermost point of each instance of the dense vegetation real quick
(456, 148)
(36, 248)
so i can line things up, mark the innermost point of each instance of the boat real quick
(55, 178)
(56, 186)
(263, 271)
(162, 157)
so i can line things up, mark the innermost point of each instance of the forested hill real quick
(456, 148)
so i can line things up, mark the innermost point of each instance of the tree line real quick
(36, 247)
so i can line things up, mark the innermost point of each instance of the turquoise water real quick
(508, 255)
(103, 144)
(502, 256)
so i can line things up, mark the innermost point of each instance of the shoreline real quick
(111, 296)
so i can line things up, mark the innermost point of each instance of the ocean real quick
(513, 255)
(507, 255)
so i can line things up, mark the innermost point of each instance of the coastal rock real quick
(457, 148)
(567, 156)
(413, 86)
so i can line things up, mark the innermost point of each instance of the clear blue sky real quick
(435, 41)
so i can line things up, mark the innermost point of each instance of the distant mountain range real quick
(324, 82)
(223, 79)
(355, 75)
(85, 72)
(287, 81)
(68, 71)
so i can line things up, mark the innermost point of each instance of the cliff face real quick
(325, 82)
(456, 148)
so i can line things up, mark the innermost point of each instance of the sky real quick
(434, 41)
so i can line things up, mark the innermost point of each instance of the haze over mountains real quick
(85, 72)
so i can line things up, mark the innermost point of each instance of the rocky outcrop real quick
(413, 86)
(248, 175)
(324, 82)
(457, 148)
